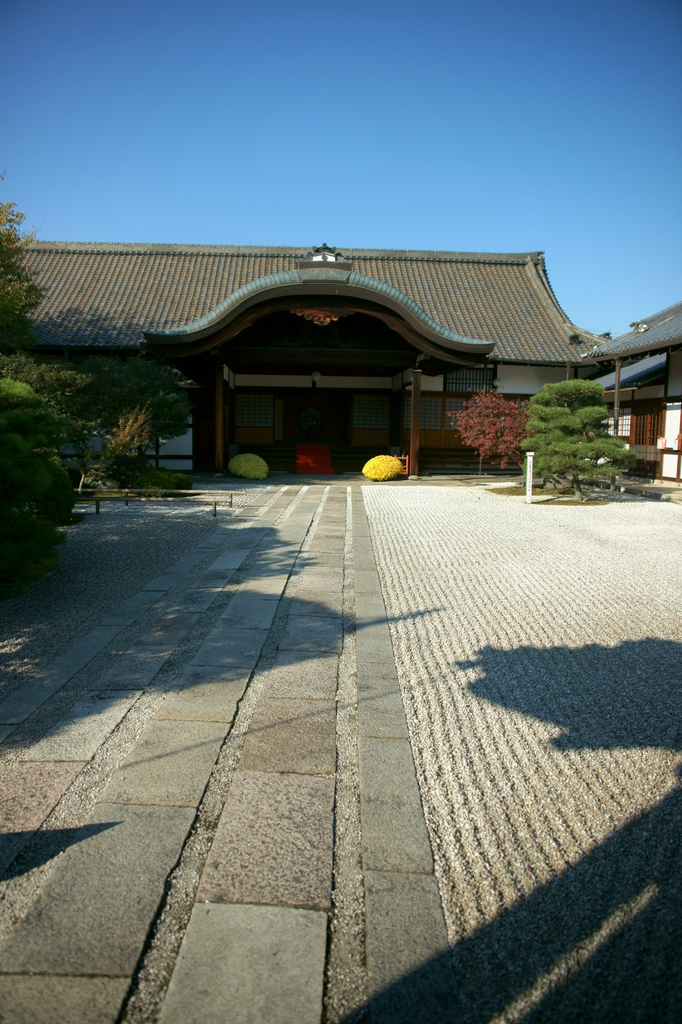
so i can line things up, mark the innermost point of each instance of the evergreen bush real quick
(568, 432)
(383, 467)
(135, 474)
(250, 467)
(33, 487)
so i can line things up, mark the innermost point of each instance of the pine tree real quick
(568, 432)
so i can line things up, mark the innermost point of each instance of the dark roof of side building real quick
(652, 333)
(105, 295)
(637, 374)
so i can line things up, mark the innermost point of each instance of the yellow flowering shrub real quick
(251, 467)
(383, 467)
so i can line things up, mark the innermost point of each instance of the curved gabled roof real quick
(103, 295)
(325, 280)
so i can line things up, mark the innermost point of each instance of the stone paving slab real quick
(321, 560)
(226, 650)
(292, 735)
(302, 674)
(329, 579)
(366, 582)
(205, 694)
(374, 643)
(320, 633)
(405, 925)
(248, 612)
(130, 610)
(316, 602)
(46, 1000)
(247, 965)
(136, 668)
(266, 586)
(169, 765)
(380, 705)
(169, 630)
(164, 582)
(79, 735)
(394, 833)
(274, 842)
(20, 704)
(28, 792)
(93, 912)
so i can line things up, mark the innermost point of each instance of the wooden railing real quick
(147, 494)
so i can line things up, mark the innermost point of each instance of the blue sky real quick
(491, 126)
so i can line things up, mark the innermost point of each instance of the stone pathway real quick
(189, 832)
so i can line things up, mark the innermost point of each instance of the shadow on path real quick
(601, 942)
(41, 847)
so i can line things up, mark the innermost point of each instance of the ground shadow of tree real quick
(624, 696)
(600, 942)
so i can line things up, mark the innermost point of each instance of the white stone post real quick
(529, 477)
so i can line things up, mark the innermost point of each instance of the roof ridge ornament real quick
(325, 254)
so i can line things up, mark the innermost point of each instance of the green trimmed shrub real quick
(383, 467)
(250, 467)
(133, 474)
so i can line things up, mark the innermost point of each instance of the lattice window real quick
(648, 425)
(429, 413)
(469, 381)
(254, 410)
(452, 405)
(624, 421)
(370, 412)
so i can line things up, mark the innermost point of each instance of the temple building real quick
(643, 387)
(382, 344)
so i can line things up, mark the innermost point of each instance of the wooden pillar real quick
(415, 422)
(219, 419)
(616, 401)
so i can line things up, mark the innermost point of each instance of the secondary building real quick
(381, 344)
(643, 387)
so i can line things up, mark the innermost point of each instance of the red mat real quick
(314, 458)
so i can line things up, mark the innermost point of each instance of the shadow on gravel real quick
(624, 696)
(41, 847)
(600, 943)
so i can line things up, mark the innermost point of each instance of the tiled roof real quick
(105, 295)
(660, 330)
(637, 374)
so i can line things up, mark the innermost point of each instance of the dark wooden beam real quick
(219, 418)
(415, 422)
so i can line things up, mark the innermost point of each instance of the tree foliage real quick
(35, 492)
(568, 433)
(494, 427)
(114, 408)
(19, 294)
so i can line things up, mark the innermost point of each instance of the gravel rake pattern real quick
(539, 656)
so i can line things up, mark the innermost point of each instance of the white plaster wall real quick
(181, 445)
(656, 391)
(669, 469)
(672, 423)
(527, 380)
(432, 383)
(675, 373)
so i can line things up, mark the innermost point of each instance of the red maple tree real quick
(493, 427)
